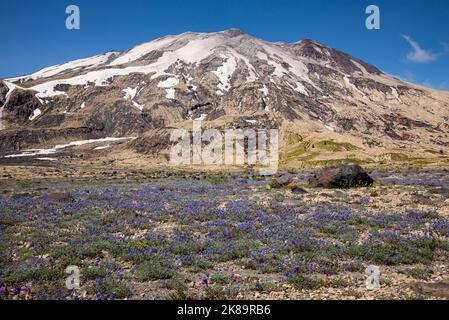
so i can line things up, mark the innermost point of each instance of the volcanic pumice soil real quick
(185, 235)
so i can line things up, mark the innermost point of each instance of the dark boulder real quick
(341, 177)
(298, 190)
(285, 179)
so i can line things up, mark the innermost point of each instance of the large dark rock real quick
(20, 106)
(341, 177)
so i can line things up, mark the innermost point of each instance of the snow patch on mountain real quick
(202, 117)
(57, 148)
(395, 94)
(170, 93)
(141, 50)
(264, 90)
(301, 89)
(359, 66)
(352, 86)
(318, 49)
(130, 93)
(69, 66)
(169, 83)
(102, 147)
(36, 113)
(11, 87)
(225, 72)
(285, 64)
(47, 90)
(138, 105)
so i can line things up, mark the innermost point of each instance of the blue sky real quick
(413, 42)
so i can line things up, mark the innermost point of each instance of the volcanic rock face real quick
(228, 77)
(3, 91)
(20, 106)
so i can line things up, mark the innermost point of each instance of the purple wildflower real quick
(15, 291)
(204, 282)
(4, 290)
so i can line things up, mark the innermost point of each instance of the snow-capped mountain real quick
(225, 78)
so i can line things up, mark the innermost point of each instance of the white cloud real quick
(419, 54)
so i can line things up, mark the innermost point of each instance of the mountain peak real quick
(308, 41)
(233, 32)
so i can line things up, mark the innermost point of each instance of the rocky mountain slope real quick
(328, 104)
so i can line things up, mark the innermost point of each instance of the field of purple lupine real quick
(223, 238)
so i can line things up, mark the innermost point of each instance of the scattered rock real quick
(419, 198)
(339, 194)
(342, 177)
(298, 190)
(58, 196)
(278, 198)
(285, 179)
(374, 194)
